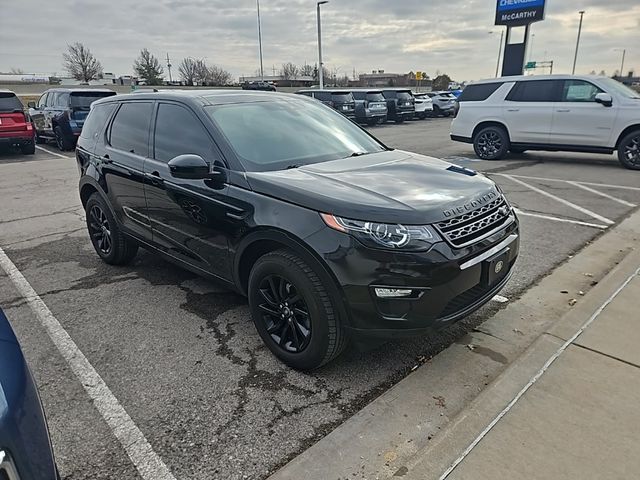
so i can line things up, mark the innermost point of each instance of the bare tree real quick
(219, 77)
(80, 63)
(188, 70)
(148, 68)
(16, 71)
(306, 70)
(342, 81)
(202, 72)
(289, 71)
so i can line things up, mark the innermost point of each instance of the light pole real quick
(499, 50)
(624, 51)
(533, 35)
(320, 72)
(260, 40)
(575, 58)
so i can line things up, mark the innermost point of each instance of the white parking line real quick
(536, 377)
(52, 153)
(594, 184)
(560, 200)
(559, 219)
(602, 194)
(146, 461)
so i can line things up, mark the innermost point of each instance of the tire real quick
(110, 245)
(276, 279)
(436, 111)
(62, 141)
(372, 122)
(629, 151)
(491, 143)
(29, 149)
(399, 120)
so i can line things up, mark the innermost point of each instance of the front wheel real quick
(629, 151)
(106, 237)
(491, 143)
(293, 311)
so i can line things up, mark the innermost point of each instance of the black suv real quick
(60, 114)
(400, 104)
(329, 233)
(340, 100)
(263, 86)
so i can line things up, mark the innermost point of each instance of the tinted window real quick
(579, 91)
(388, 94)
(359, 95)
(534, 91)
(375, 97)
(9, 102)
(404, 96)
(297, 133)
(130, 128)
(96, 120)
(479, 92)
(179, 131)
(342, 97)
(85, 99)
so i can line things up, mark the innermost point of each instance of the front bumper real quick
(447, 283)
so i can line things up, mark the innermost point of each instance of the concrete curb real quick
(424, 422)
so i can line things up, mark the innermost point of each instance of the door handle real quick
(105, 159)
(563, 110)
(513, 109)
(154, 178)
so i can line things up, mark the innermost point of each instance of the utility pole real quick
(624, 51)
(320, 64)
(533, 35)
(169, 68)
(260, 40)
(575, 58)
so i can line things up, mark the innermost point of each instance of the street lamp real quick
(260, 40)
(499, 50)
(533, 35)
(320, 72)
(624, 51)
(575, 58)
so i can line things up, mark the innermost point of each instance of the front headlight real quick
(383, 235)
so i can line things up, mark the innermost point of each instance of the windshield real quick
(619, 88)
(275, 135)
(375, 97)
(9, 102)
(85, 99)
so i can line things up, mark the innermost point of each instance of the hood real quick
(388, 187)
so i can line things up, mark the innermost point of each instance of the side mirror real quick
(190, 167)
(31, 104)
(605, 99)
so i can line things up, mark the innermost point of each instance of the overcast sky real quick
(397, 36)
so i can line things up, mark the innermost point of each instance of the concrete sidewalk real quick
(577, 416)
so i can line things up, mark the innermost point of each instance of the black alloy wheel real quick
(285, 314)
(491, 143)
(629, 151)
(100, 230)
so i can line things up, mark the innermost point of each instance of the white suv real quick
(550, 112)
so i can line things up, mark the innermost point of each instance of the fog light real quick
(393, 292)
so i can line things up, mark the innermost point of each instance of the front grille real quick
(472, 226)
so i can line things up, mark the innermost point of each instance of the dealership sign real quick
(519, 12)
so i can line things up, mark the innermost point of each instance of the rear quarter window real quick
(535, 91)
(98, 117)
(479, 92)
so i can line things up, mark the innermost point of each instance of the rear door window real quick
(9, 102)
(178, 131)
(579, 91)
(535, 91)
(97, 119)
(130, 128)
(478, 92)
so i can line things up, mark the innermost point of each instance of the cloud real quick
(434, 35)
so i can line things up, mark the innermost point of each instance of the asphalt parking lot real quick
(180, 353)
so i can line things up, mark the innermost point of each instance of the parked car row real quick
(372, 105)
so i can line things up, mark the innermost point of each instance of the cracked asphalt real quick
(180, 353)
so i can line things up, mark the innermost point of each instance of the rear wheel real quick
(491, 143)
(29, 149)
(62, 141)
(629, 151)
(293, 311)
(106, 237)
(436, 111)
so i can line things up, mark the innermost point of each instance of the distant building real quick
(280, 81)
(630, 80)
(381, 79)
(18, 78)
